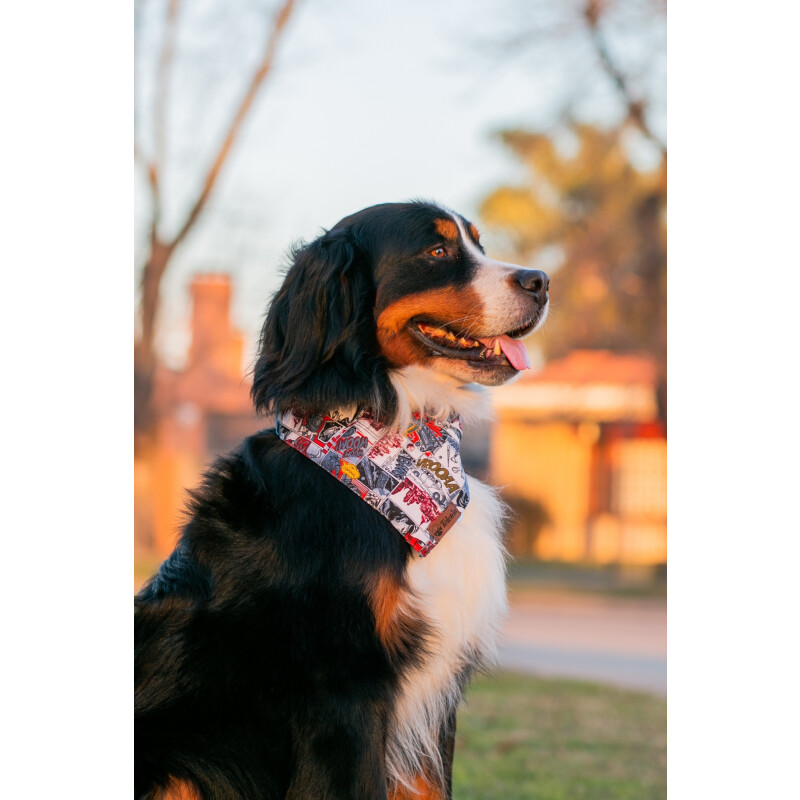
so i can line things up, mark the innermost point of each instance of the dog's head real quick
(395, 286)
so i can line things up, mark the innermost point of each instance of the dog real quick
(300, 642)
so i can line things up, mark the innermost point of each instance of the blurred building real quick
(582, 459)
(577, 448)
(203, 410)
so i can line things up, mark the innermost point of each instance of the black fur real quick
(318, 346)
(259, 672)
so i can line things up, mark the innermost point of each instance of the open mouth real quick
(496, 350)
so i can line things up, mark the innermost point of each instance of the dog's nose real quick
(536, 282)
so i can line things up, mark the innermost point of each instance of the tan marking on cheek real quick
(423, 790)
(474, 232)
(463, 307)
(401, 349)
(446, 228)
(446, 305)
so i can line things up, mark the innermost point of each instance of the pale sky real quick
(368, 102)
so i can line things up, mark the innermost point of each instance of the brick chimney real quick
(215, 343)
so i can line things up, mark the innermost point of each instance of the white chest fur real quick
(460, 589)
(461, 584)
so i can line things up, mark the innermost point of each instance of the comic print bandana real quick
(413, 476)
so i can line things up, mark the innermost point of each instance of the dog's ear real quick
(318, 349)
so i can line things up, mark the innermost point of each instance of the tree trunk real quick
(144, 357)
(653, 254)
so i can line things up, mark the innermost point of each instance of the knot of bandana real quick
(412, 476)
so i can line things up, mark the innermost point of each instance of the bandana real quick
(412, 476)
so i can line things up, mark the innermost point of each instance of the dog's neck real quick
(411, 475)
(438, 395)
(407, 468)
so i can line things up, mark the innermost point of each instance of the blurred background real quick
(258, 123)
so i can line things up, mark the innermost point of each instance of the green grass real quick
(536, 739)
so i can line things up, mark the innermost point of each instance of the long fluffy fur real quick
(318, 348)
(420, 389)
(293, 645)
(463, 594)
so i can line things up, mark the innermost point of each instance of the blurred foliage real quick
(527, 519)
(597, 224)
(523, 738)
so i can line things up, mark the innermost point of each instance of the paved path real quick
(622, 642)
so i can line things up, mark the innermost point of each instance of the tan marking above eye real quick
(446, 228)
(474, 231)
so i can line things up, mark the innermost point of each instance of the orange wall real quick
(550, 464)
(555, 464)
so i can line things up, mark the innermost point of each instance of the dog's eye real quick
(438, 252)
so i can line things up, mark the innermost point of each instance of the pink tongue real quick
(513, 349)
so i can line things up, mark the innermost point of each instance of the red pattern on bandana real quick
(413, 477)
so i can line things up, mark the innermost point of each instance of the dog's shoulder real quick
(273, 556)
(264, 515)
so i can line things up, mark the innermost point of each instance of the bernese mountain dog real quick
(299, 642)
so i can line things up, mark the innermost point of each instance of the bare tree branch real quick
(151, 170)
(161, 250)
(256, 81)
(137, 11)
(152, 167)
(162, 90)
(592, 12)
